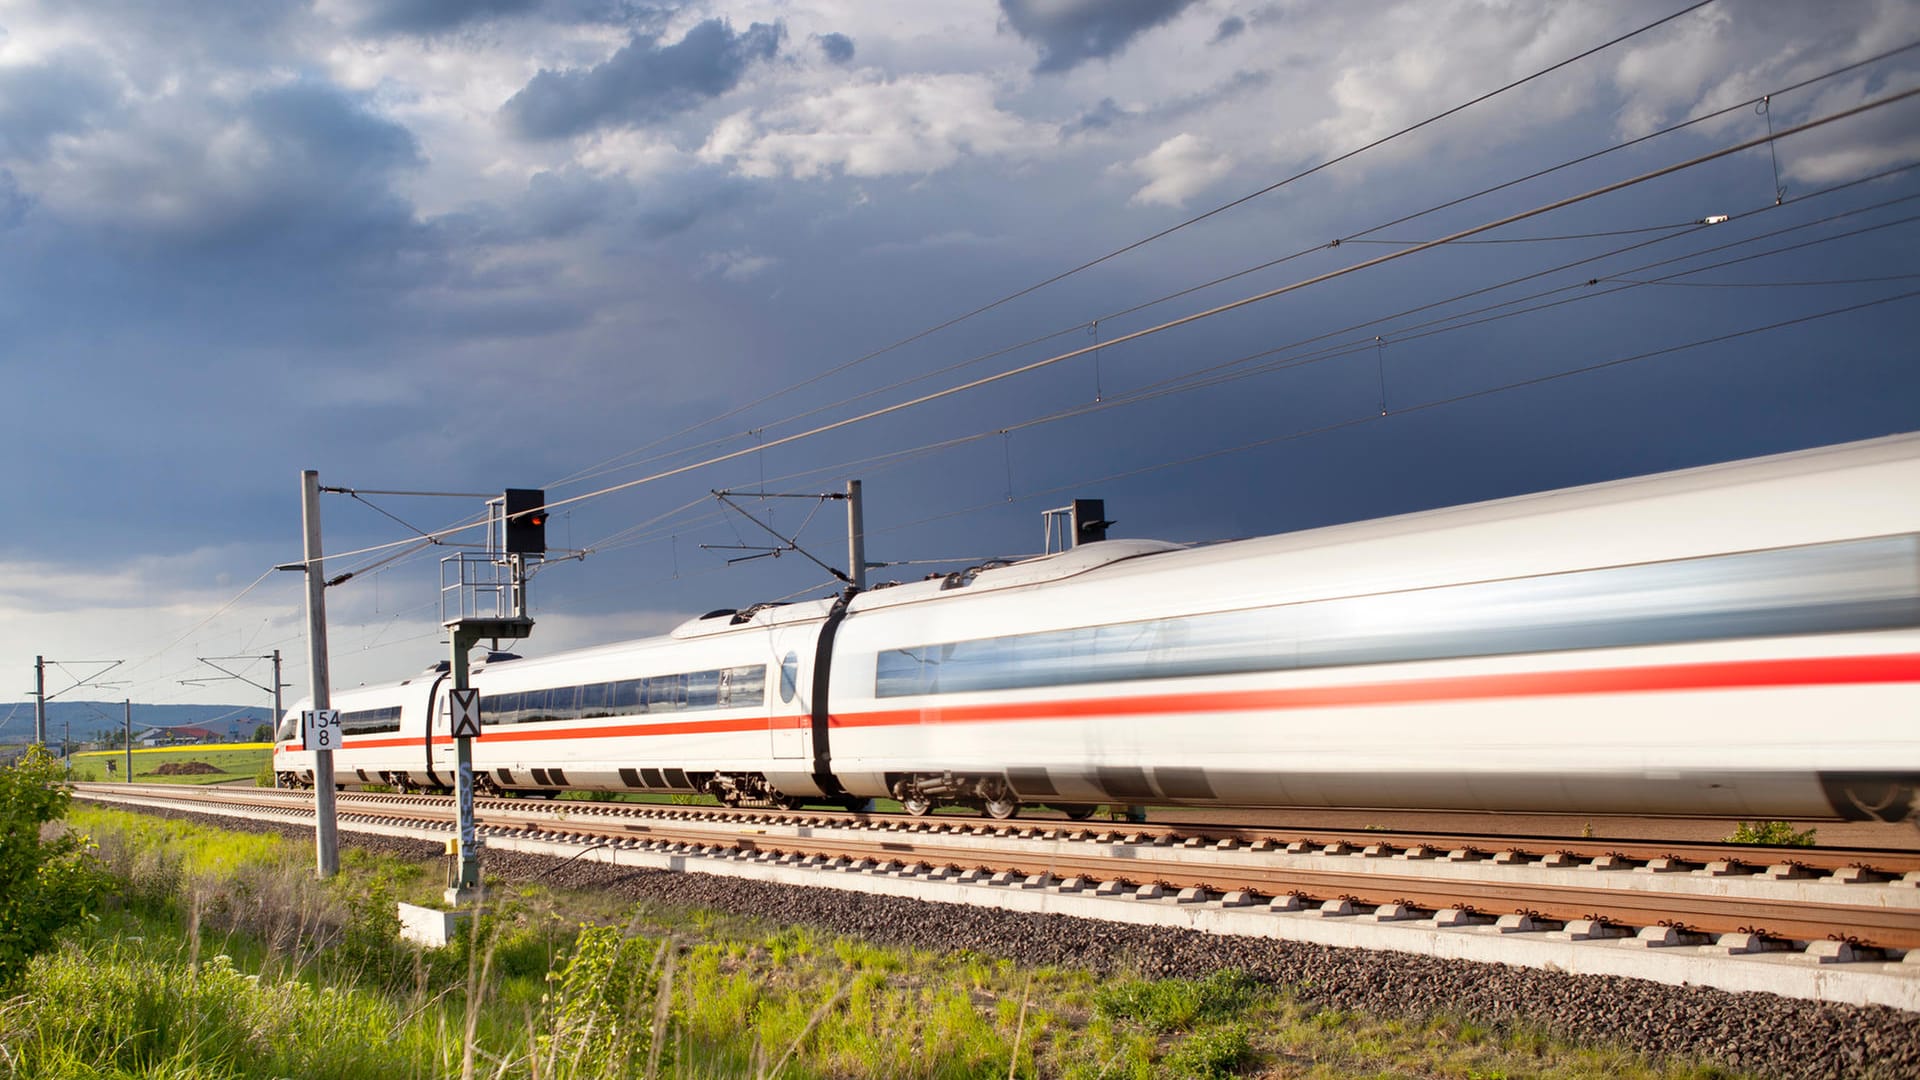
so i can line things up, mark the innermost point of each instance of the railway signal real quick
(526, 532)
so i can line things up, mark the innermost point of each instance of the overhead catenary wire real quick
(1360, 236)
(1223, 373)
(1401, 335)
(1269, 294)
(1219, 309)
(613, 541)
(1163, 233)
(1404, 410)
(384, 547)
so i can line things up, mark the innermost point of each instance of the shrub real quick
(46, 883)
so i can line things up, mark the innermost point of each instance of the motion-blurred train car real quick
(1740, 639)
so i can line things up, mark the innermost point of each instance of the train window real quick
(533, 707)
(595, 700)
(749, 685)
(289, 728)
(1820, 588)
(629, 696)
(666, 693)
(789, 676)
(508, 709)
(716, 688)
(370, 721)
(703, 689)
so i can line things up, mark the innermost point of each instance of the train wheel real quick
(1078, 811)
(917, 805)
(1002, 808)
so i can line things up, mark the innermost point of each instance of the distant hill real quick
(81, 719)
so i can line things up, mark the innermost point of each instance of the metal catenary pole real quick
(40, 700)
(856, 537)
(466, 886)
(278, 710)
(129, 740)
(326, 839)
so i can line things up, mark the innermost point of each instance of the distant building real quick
(176, 736)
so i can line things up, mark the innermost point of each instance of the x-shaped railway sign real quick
(466, 714)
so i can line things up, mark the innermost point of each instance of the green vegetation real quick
(235, 761)
(1772, 833)
(220, 955)
(46, 882)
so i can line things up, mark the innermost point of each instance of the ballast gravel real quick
(1755, 1033)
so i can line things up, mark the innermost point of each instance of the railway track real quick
(1830, 924)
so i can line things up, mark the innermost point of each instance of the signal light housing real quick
(526, 531)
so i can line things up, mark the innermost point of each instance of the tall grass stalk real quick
(813, 1022)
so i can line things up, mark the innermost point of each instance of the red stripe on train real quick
(1728, 675)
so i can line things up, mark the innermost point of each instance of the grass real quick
(237, 761)
(221, 956)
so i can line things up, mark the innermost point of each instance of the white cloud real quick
(634, 153)
(1178, 169)
(908, 125)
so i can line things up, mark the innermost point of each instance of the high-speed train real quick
(1740, 639)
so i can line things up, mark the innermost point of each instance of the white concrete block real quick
(429, 927)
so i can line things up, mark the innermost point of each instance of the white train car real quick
(714, 708)
(1736, 639)
(1741, 639)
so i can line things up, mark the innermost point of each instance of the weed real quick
(1178, 1004)
(1772, 833)
(1220, 1052)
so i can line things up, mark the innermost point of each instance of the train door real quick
(441, 761)
(790, 692)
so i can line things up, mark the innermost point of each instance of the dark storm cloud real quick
(429, 16)
(302, 238)
(1230, 27)
(1070, 32)
(327, 173)
(838, 47)
(39, 101)
(645, 82)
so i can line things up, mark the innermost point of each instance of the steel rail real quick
(1753, 857)
(1884, 918)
